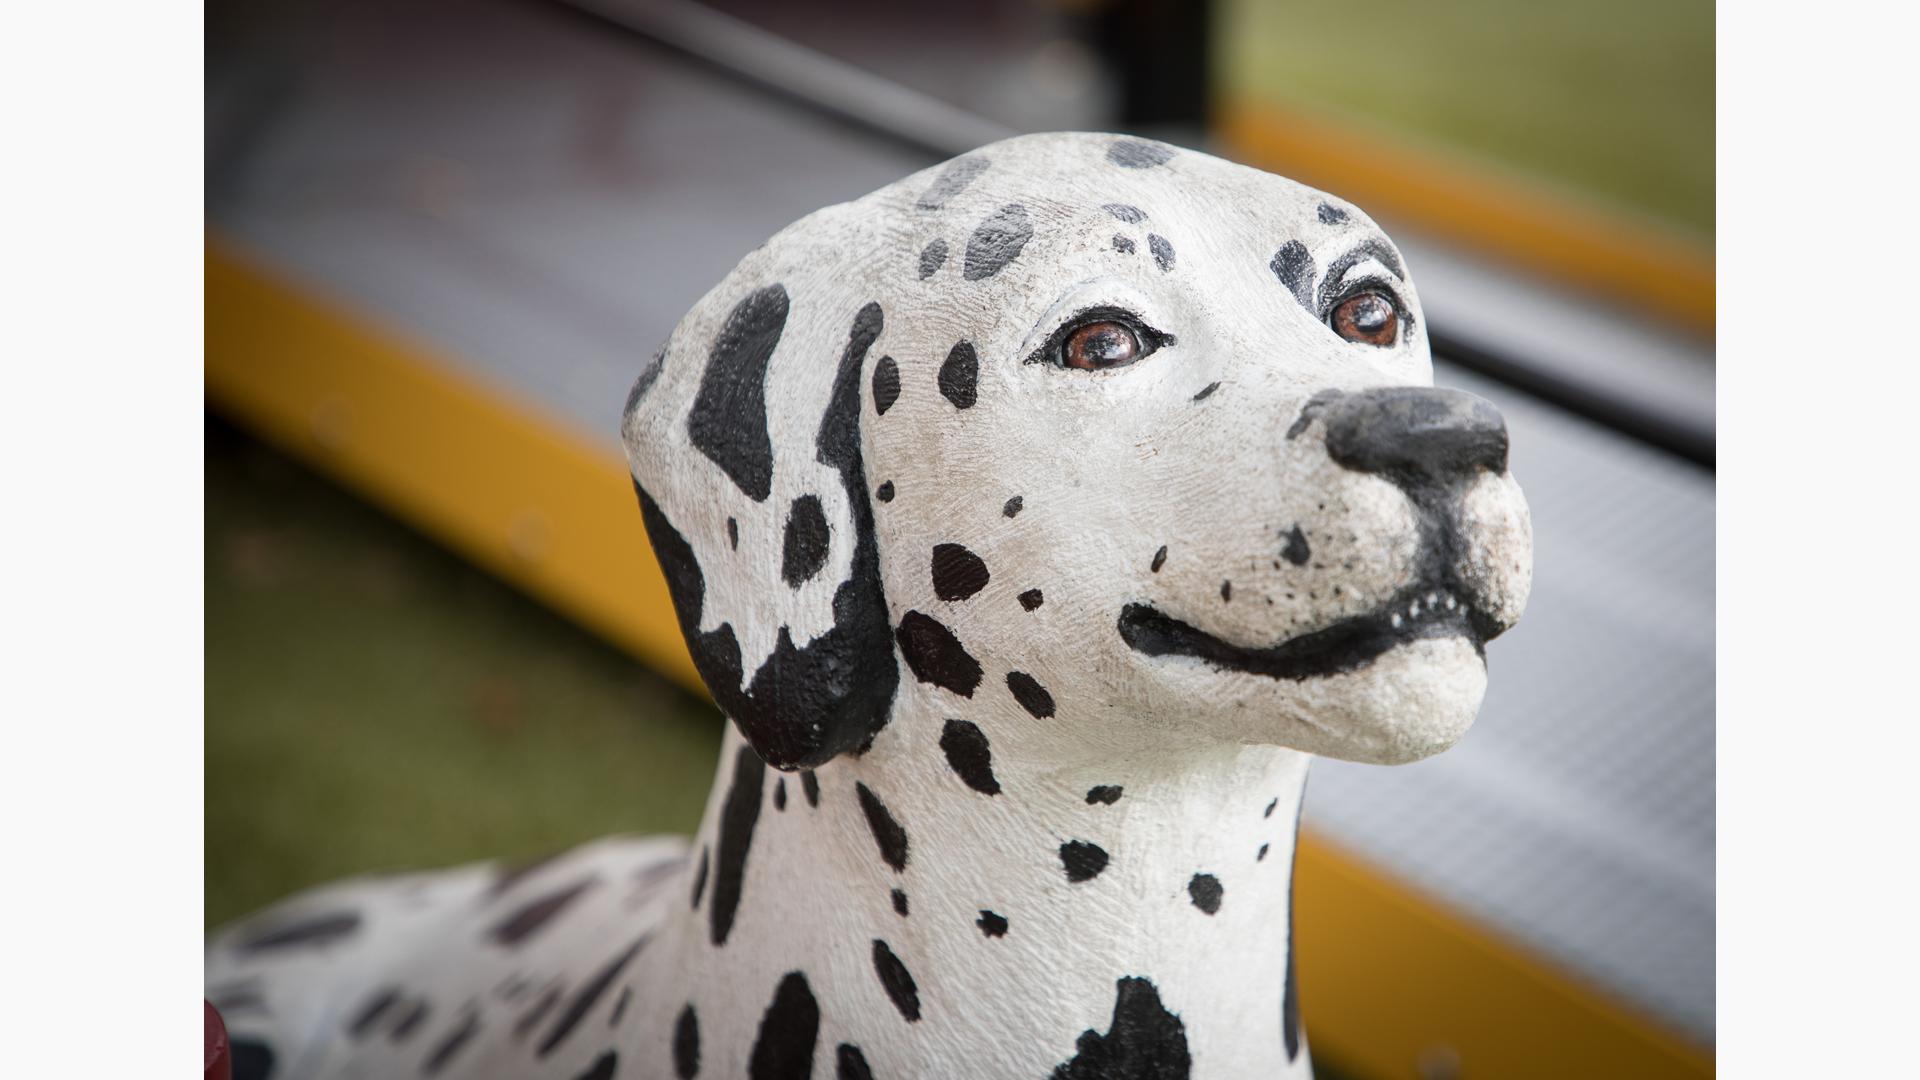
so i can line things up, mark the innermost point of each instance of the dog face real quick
(1127, 445)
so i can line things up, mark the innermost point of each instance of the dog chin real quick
(1412, 702)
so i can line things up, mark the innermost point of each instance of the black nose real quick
(1416, 435)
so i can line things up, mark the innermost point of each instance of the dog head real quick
(1126, 442)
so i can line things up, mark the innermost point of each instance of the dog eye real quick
(1100, 345)
(1367, 317)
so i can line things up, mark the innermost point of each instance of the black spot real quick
(302, 933)
(1159, 559)
(997, 241)
(1083, 861)
(1162, 251)
(1138, 153)
(957, 572)
(700, 879)
(686, 1044)
(884, 492)
(932, 258)
(783, 1050)
(1293, 265)
(1296, 552)
(410, 1023)
(959, 375)
(444, 1052)
(899, 903)
(531, 1019)
(1371, 248)
(897, 981)
(1105, 793)
(1331, 214)
(1122, 244)
(1289, 1000)
(1030, 694)
(952, 181)
(1031, 599)
(251, 1059)
(620, 1005)
(604, 1067)
(1205, 891)
(886, 384)
(531, 916)
(738, 815)
(1226, 591)
(733, 534)
(728, 422)
(852, 1064)
(1261, 855)
(515, 873)
(780, 794)
(886, 831)
(1206, 392)
(1268, 812)
(370, 1013)
(1013, 506)
(1132, 215)
(935, 656)
(810, 786)
(1143, 1042)
(967, 751)
(584, 998)
(803, 705)
(991, 924)
(804, 550)
(644, 382)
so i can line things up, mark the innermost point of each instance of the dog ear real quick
(743, 438)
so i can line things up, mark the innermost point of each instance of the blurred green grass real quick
(375, 703)
(1615, 100)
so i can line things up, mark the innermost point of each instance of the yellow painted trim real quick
(1385, 974)
(1627, 259)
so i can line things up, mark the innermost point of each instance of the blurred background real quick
(444, 236)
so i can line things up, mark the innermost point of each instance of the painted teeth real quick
(1451, 602)
(1396, 618)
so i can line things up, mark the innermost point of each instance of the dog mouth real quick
(1440, 608)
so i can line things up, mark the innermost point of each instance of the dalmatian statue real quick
(1035, 520)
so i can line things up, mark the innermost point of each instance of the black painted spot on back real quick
(810, 785)
(1031, 599)
(700, 879)
(1206, 391)
(783, 1050)
(450, 1046)
(959, 376)
(314, 930)
(251, 1059)
(1159, 559)
(410, 1022)
(1205, 891)
(1162, 251)
(1296, 552)
(686, 1044)
(886, 384)
(997, 241)
(932, 258)
(585, 997)
(935, 656)
(738, 815)
(370, 1013)
(851, 1064)
(1226, 591)
(991, 924)
(1143, 1042)
(900, 903)
(1331, 214)
(887, 832)
(1030, 694)
(803, 551)
(957, 572)
(1106, 794)
(1132, 215)
(952, 181)
(604, 1067)
(620, 1006)
(970, 756)
(733, 534)
(803, 705)
(896, 980)
(1293, 265)
(780, 793)
(1014, 506)
(531, 916)
(1083, 861)
(728, 422)
(1123, 244)
(1268, 812)
(884, 492)
(1138, 153)
(1261, 855)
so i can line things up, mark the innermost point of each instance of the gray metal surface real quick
(539, 203)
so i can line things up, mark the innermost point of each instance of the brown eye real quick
(1100, 345)
(1367, 317)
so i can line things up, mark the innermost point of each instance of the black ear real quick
(801, 705)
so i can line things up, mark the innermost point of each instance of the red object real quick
(219, 1053)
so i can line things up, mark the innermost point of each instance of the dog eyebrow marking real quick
(728, 422)
(997, 241)
(1330, 214)
(1132, 215)
(1293, 265)
(1375, 248)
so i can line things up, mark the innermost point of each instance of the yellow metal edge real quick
(1618, 256)
(1386, 975)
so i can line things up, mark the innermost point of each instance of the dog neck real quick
(1009, 900)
